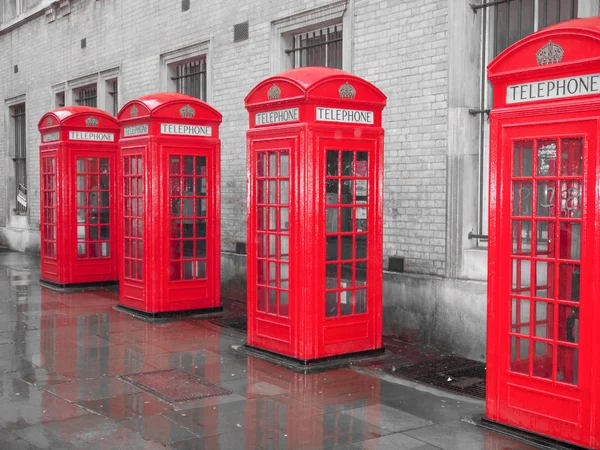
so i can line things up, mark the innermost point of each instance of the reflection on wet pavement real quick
(61, 356)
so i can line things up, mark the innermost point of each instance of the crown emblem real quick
(133, 112)
(49, 121)
(274, 92)
(91, 122)
(550, 53)
(187, 111)
(347, 91)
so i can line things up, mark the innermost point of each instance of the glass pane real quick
(200, 269)
(188, 207)
(174, 165)
(80, 165)
(521, 277)
(347, 192)
(261, 273)
(331, 304)
(544, 279)
(188, 186)
(332, 163)
(545, 237)
(361, 301)
(519, 355)
(272, 219)
(262, 299)
(361, 273)
(546, 199)
(188, 167)
(331, 275)
(284, 219)
(272, 305)
(174, 250)
(521, 199)
(201, 207)
(361, 246)
(200, 186)
(175, 229)
(201, 248)
(362, 164)
(272, 246)
(347, 219)
(188, 270)
(522, 159)
(521, 237)
(284, 192)
(542, 361)
(104, 182)
(544, 320)
(332, 220)
(284, 163)
(283, 303)
(546, 156)
(571, 157)
(347, 163)
(261, 191)
(569, 279)
(332, 248)
(188, 248)
(261, 164)
(567, 365)
(570, 199)
(332, 188)
(568, 323)
(570, 240)
(261, 220)
(347, 247)
(200, 165)
(520, 313)
(346, 303)
(272, 164)
(361, 220)
(284, 247)
(200, 228)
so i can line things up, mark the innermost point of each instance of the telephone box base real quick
(76, 287)
(306, 366)
(533, 439)
(168, 316)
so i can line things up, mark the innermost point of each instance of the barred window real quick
(190, 78)
(112, 101)
(19, 149)
(322, 47)
(86, 96)
(515, 19)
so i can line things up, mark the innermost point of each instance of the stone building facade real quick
(427, 56)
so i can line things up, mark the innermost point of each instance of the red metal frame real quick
(542, 290)
(77, 186)
(170, 175)
(314, 221)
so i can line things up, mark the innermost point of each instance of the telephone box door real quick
(544, 278)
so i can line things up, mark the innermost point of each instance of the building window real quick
(112, 97)
(59, 99)
(19, 152)
(190, 78)
(322, 47)
(86, 96)
(515, 19)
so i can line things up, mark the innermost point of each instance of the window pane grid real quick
(49, 206)
(188, 212)
(190, 78)
(546, 205)
(347, 212)
(318, 48)
(93, 207)
(87, 96)
(273, 217)
(132, 216)
(19, 156)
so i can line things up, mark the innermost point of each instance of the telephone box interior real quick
(542, 345)
(314, 218)
(77, 185)
(170, 180)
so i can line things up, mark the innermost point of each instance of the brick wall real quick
(401, 46)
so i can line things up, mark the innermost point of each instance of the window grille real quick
(87, 96)
(515, 19)
(20, 156)
(190, 78)
(318, 48)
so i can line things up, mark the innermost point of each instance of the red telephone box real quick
(170, 181)
(315, 174)
(542, 352)
(77, 221)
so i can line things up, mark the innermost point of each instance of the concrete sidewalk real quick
(65, 361)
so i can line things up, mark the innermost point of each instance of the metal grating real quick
(236, 323)
(174, 385)
(240, 32)
(451, 373)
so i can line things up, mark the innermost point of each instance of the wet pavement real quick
(65, 360)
